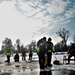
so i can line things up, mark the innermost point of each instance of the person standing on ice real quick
(23, 54)
(30, 55)
(71, 52)
(41, 50)
(8, 54)
(50, 49)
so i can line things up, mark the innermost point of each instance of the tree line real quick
(17, 47)
(59, 46)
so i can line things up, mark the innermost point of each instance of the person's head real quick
(44, 38)
(49, 39)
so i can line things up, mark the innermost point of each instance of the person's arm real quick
(53, 48)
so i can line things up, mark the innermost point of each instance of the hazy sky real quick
(32, 19)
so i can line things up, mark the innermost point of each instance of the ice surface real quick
(26, 68)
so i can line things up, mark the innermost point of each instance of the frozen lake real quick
(57, 56)
(21, 70)
(3, 57)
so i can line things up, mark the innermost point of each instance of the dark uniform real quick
(30, 55)
(71, 52)
(41, 46)
(16, 57)
(50, 49)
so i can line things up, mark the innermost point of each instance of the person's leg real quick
(45, 62)
(31, 56)
(69, 58)
(15, 60)
(50, 59)
(42, 61)
(49, 55)
(18, 59)
(40, 64)
(8, 59)
(24, 58)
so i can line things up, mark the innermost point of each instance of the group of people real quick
(44, 51)
(16, 58)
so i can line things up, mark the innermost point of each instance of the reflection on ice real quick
(62, 72)
(5, 74)
(24, 68)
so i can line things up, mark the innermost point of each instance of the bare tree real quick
(64, 34)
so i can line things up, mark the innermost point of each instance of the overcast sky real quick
(32, 19)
